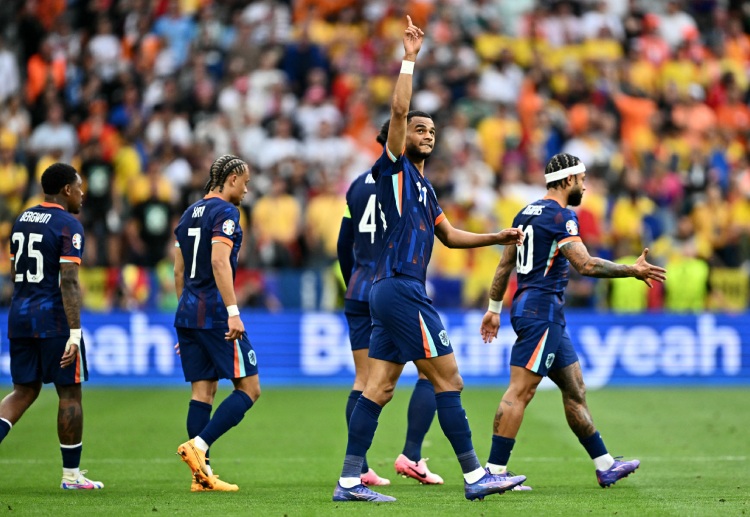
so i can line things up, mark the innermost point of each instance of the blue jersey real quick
(42, 238)
(542, 270)
(211, 221)
(409, 212)
(366, 237)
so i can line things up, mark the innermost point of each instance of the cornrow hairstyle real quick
(382, 137)
(56, 176)
(222, 167)
(557, 163)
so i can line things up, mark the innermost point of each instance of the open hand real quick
(490, 326)
(413, 37)
(71, 352)
(648, 272)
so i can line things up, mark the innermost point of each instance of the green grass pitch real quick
(286, 455)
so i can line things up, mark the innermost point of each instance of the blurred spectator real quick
(54, 135)
(277, 220)
(8, 71)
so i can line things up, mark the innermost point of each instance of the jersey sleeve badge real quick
(228, 227)
(572, 227)
(76, 240)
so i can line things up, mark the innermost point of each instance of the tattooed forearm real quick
(502, 273)
(71, 294)
(587, 265)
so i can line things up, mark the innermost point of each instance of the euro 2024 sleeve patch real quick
(572, 227)
(228, 227)
(76, 240)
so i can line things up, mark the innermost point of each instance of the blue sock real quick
(594, 445)
(419, 418)
(198, 417)
(71, 455)
(452, 418)
(362, 425)
(350, 403)
(227, 415)
(4, 429)
(501, 449)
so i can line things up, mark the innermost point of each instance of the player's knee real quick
(576, 394)
(28, 393)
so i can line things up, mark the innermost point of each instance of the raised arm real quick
(455, 238)
(491, 319)
(72, 301)
(222, 268)
(413, 37)
(587, 265)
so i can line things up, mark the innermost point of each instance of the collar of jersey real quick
(551, 199)
(211, 195)
(51, 205)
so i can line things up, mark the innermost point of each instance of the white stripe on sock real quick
(7, 422)
(71, 446)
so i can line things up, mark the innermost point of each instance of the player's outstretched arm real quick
(222, 268)
(413, 37)
(455, 238)
(587, 265)
(72, 301)
(491, 320)
(179, 272)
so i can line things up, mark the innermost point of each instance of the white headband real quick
(564, 173)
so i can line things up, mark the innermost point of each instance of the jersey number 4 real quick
(525, 252)
(20, 238)
(367, 222)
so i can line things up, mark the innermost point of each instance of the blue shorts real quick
(207, 356)
(35, 359)
(360, 323)
(541, 346)
(405, 325)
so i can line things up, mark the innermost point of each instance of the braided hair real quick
(222, 167)
(557, 163)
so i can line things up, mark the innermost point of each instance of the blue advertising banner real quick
(312, 348)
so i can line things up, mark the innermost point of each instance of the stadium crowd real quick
(142, 95)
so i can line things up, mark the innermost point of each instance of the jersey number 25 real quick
(19, 238)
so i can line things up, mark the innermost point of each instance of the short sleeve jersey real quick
(42, 238)
(409, 212)
(542, 269)
(206, 223)
(361, 206)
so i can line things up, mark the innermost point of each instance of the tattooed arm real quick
(72, 300)
(587, 265)
(491, 319)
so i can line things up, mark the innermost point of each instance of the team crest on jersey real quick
(76, 240)
(228, 227)
(572, 227)
(252, 358)
(444, 338)
(550, 360)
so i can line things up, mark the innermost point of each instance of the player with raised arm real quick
(359, 246)
(543, 347)
(406, 327)
(213, 343)
(44, 322)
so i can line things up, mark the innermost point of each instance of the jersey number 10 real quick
(20, 238)
(525, 252)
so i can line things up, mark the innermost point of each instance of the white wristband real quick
(407, 67)
(75, 336)
(232, 310)
(495, 306)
